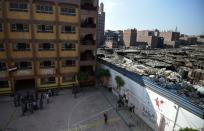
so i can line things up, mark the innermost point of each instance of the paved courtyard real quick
(65, 113)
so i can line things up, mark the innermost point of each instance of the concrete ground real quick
(64, 113)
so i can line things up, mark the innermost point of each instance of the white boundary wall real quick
(157, 111)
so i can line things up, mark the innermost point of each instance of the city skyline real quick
(186, 15)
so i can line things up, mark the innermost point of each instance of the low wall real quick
(157, 110)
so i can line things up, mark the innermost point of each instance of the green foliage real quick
(82, 76)
(187, 129)
(102, 73)
(120, 82)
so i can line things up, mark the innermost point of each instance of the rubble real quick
(180, 71)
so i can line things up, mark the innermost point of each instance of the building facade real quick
(101, 25)
(151, 38)
(88, 36)
(171, 39)
(41, 45)
(111, 39)
(130, 37)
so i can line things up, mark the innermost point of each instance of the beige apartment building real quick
(45, 44)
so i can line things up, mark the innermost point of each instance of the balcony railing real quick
(88, 7)
(88, 42)
(87, 58)
(88, 25)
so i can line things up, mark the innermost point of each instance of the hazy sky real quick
(187, 15)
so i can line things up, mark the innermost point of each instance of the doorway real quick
(25, 85)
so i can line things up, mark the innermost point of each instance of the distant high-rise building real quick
(101, 25)
(129, 37)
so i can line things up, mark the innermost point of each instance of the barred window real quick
(69, 79)
(21, 47)
(2, 66)
(68, 29)
(3, 84)
(2, 47)
(70, 11)
(48, 80)
(45, 28)
(44, 9)
(22, 7)
(46, 47)
(24, 65)
(47, 64)
(1, 27)
(69, 63)
(68, 46)
(17, 27)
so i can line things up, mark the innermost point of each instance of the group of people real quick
(123, 101)
(31, 102)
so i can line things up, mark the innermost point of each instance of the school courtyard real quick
(65, 113)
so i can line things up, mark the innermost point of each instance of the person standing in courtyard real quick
(47, 98)
(105, 117)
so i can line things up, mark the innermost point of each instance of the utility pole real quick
(176, 117)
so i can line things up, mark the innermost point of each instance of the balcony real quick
(87, 58)
(19, 35)
(88, 6)
(88, 22)
(21, 54)
(65, 70)
(87, 13)
(88, 25)
(48, 71)
(1, 35)
(27, 72)
(87, 42)
(3, 74)
(46, 54)
(2, 54)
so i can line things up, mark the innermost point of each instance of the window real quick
(45, 28)
(47, 64)
(3, 84)
(48, 80)
(1, 27)
(69, 63)
(69, 79)
(24, 65)
(68, 29)
(21, 47)
(1, 47)
(19, 27)
(46, 47)
(70, 11)
(22, 7)
(44, 9)
(69, 46)
(2, 66)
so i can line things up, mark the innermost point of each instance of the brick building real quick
(130, 37)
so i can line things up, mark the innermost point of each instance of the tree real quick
(82, 76)
(103, 75)
(187, 129)
(120, 82)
